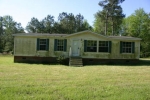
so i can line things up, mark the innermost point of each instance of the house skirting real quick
(42, 60)
(86, 61)
(93, 61)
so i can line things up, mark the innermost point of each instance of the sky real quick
(23, 10)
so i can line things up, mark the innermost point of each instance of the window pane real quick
(42, 41)
(60, 45)
(42, 44)
(127, 47)
(91, 46)
(103, 46)
(42, 47)
(103, 49)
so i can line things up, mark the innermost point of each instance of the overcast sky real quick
(23, 10)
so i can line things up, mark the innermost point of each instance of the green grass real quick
(20, 81)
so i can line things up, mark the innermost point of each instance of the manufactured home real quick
(81, 48)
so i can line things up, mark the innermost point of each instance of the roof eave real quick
(126, 39)
(86, 31)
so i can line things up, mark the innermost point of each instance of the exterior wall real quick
(81, 38)
(115, 48)
(115, 53)
(26, 46)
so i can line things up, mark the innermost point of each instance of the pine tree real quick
(111, 16)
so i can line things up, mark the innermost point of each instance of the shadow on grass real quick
(141, 62)
(144, 62)
(44, 63)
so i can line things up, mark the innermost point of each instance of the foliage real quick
(33, 26)
(99, 26)
(137, 25)
(67, 23)
(110, 17)
(54, 82)
(60, 59)
(8, 27)
(47, 24)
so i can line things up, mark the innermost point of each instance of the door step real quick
(75, 61)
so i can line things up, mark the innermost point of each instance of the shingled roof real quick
(124, 37)
(68, 35)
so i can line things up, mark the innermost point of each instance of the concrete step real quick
(77, 65)
(75, 61)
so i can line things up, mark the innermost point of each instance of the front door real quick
(75, 48)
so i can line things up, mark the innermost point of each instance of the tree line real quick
(67, 23)
(109, 21)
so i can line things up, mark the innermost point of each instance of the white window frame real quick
(106, 45)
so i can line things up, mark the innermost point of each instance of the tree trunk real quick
(112, 26)
(106, 24)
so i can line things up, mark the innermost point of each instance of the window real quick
(42, 44)
(60, 45)
(127, 47)
(90, 46)
(103, 46)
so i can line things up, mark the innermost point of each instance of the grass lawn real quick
(20, 81)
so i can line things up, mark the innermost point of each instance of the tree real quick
(57, 28)
(111, 16)
(86, 26)
(47, 24)
(67, 22)
(79, 22)
(7, 28)
(137, 25)
(33, 26)
(99, 26)
(1, 33)
(71, 24)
